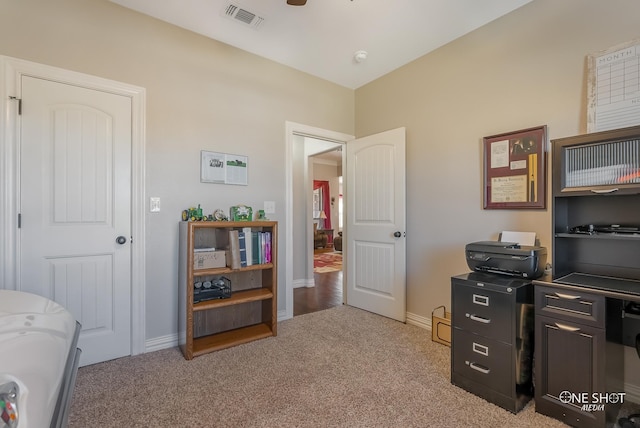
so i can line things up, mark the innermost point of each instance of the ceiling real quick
(333, 157)
(322, 37)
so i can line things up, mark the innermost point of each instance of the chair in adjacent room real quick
(320, 238)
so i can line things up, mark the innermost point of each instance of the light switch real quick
(269, 207)
(154, 205)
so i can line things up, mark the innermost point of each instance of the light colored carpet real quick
(341, 367)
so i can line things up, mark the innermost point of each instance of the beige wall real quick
(523, 70)
(201, 94)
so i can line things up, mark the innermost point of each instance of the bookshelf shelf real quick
(216, 342)
(251, 311)
(235, 299)
(221, 271)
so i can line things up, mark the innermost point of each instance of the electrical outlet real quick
(154, 205)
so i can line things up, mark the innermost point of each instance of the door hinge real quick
(19, 220)
(19, 104)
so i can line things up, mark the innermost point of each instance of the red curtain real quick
(326, 204)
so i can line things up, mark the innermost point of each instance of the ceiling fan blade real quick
(296, 2)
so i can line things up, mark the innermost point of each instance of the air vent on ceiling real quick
(242, 15)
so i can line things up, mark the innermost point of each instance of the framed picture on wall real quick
(316, 203)
(223, 168)
(515, 169)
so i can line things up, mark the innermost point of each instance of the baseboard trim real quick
(308, 282)
(171, 341)
(162, 342)
(419, 320)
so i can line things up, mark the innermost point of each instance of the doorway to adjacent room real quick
(324, 180)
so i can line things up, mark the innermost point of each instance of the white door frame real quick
(11, 72)
(291, 130)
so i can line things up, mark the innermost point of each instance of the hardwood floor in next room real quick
(326, 294)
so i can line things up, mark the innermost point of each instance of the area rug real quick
(327, 262)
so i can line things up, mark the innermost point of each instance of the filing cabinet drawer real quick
(571, 305)
(486, 312)
(483, 360)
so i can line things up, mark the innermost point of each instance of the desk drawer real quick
(571, 305)
(486, 312)
(483, 360)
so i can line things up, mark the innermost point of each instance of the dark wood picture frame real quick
(515, 169)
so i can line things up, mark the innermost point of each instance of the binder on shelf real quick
(233, 260)
(255, 244)
(249, 244)
(263, 258)
(242, 248)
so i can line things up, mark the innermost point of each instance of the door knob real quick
(121, 240)
(397, 234)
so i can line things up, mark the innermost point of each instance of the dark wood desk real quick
(615, 288)
(581, 328)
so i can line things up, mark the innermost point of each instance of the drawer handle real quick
(566, 327)
(615, 189)
(479, 319)
(481, 300)
(480, 349)
(567, 296)
(479, 368)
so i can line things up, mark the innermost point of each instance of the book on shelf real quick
(249, 244)
(261, 244)
(242, 248)
(267, 247)
(247, 247)
(255, 244)
(233, 253)
(264, 247)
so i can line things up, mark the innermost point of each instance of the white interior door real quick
(75, 200)
(376, 220)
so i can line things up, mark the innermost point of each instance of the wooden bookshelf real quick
(250, 313)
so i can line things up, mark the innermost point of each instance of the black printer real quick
(507, 258)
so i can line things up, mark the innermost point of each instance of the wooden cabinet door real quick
(567, 362)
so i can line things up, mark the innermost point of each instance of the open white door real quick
(376, 220)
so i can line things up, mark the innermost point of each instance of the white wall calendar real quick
(613, 88)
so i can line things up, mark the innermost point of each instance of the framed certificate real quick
(515, 169)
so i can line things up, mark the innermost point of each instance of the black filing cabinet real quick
(492, 338)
